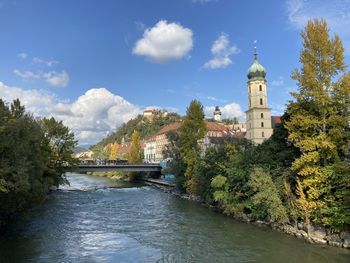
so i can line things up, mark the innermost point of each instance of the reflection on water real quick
(93, 220)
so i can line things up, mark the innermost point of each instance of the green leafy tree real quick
(175, 164)
(100, 152)
(192, 129)
(61, 145)
(265, 199)
(319, 121)
(33, 155)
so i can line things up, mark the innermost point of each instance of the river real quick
(99, 220)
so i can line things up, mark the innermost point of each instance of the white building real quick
(150, 150)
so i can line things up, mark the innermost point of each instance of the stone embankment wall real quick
(318, 235)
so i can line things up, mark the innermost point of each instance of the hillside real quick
(141, 124)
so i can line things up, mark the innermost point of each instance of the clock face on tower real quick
(260, 93)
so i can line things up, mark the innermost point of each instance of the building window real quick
(262, 134)
(249, 90)
(262, 115)
(260, 88)
(262, 124)
(261, 102)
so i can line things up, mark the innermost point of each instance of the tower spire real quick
(255, 52)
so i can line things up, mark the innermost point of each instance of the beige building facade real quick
(258, 115)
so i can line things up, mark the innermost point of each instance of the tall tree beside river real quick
(135, 155)
(319, 127)
(192, 130)
(32, 154)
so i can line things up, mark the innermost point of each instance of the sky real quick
(95, 64)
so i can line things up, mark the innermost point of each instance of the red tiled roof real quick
(276, 119)
(216, 127)
(211, 126)
(170, 127)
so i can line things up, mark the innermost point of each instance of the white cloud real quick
(164, 42)
(335, 12)
(52, 78)
(56, 79)
(227, 111)
(44, 63)
(215, 99)
(278, 82)
(22, 56)
(221, 50)
(92, 116)
(27, 75)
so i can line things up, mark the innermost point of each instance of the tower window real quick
(249, 90)
(260, 88)
(262, 115)
(262, 124)
(262, 134)
(261, 101)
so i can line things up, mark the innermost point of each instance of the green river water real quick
(90, 222)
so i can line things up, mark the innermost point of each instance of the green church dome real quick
(256, 70)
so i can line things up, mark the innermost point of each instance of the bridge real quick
(151, 168)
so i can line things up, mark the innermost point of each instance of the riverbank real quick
(311, 234)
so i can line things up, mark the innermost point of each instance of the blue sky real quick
(96, 64)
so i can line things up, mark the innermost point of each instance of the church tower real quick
(258, 115)
(217, 114)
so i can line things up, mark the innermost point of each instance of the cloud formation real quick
(22, 56)
(215, 99)
(227, 111)
(52, 78)
(91, 117)
(26, 75)
(278, 82)
(44, 63)
(164, 42)
(56, 79)
(221, 50)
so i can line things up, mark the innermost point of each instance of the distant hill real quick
(79, 149)
(144, 126)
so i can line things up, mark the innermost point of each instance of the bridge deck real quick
(119, 167)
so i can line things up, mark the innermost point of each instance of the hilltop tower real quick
(217, 114)
(258, 115)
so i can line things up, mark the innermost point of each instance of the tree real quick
(192, 129)
(135, 154)
(265, 199)
(33, 156)
(319, 121)
(100, 152)
(114, 148)
(235, 120)
(175, 165)
(61, 144)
